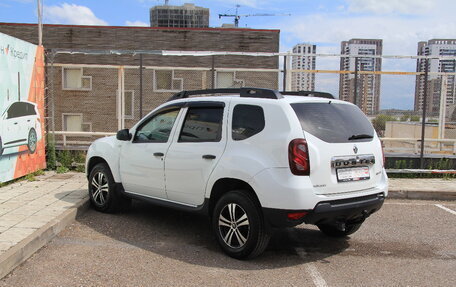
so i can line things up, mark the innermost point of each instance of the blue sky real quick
(400, 23)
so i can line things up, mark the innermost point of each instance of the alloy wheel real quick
(32, 141)
(100, 188)
(234, 225)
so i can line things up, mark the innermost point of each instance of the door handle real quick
(15, 123)
(28, 120)
(158, 154)
(209, 156)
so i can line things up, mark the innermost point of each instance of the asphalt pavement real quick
(407, 243)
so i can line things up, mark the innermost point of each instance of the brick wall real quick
(152, 38)
(98, 106)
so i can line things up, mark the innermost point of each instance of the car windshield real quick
(334, 122)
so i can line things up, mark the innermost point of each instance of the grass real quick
(29, 177)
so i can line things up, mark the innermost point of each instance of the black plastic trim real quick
(344, 210)
(308, 94)
(205, 104)
(203, 208)
(243, 92)
(13, 142)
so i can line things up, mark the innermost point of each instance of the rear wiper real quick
(360, 136)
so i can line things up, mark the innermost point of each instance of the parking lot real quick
(407, 243)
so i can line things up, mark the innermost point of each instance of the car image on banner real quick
(22, 114)
(20, 125)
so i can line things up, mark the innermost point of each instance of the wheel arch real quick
(93, 161)
(224, 185)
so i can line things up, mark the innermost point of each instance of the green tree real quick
(379, 122)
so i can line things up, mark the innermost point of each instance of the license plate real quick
(352, 174)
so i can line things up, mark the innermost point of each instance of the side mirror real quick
(123, 135)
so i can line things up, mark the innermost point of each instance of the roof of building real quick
(146, 28)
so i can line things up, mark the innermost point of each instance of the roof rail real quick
(243, 92)
(308, 94)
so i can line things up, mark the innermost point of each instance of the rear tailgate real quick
(344, 151)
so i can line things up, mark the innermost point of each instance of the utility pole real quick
(355, 95)
(423, 122)
(40, 22)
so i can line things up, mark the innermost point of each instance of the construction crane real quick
(237, 16)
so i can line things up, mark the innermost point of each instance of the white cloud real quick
(136, 23)
(391, 6)
(71, 14)
(242, 3)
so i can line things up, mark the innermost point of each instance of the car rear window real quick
(333, 122)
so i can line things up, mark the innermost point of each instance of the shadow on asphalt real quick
(188, 237)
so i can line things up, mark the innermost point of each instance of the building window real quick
(72, 122)
(129, 97)
(164, 81)
(74, 79)
(228, 80)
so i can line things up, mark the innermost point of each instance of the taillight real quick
(298, 157)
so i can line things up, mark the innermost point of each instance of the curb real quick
(19, 253)
(422, 195)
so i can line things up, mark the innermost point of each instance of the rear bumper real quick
(354, 209)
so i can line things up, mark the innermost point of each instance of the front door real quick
(142, 159)
(14, 124)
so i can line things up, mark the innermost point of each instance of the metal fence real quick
(91, 94)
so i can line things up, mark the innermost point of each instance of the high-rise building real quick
(365, 91)
(185, 16)
(435, 47)
(301, 81)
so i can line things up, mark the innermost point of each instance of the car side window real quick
(248, 120)
(16, 110)
(30, 110)
(202, 124)
(157, 129)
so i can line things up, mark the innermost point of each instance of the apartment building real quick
(435, 85)
(359, 88)
(303, 81)
(185, 16)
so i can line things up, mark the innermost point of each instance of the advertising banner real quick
(22, 141)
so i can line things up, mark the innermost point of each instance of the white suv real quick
(254, 160)
(20, 125)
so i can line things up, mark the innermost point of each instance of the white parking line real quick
(446, 209)
(407, 203)
(416, 203)
(316, 276)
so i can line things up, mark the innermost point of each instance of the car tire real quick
(32, 141)
(332, 231)
(103, 193)
(238, 225)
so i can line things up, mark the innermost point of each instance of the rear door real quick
(195, 152)
(345, 152)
